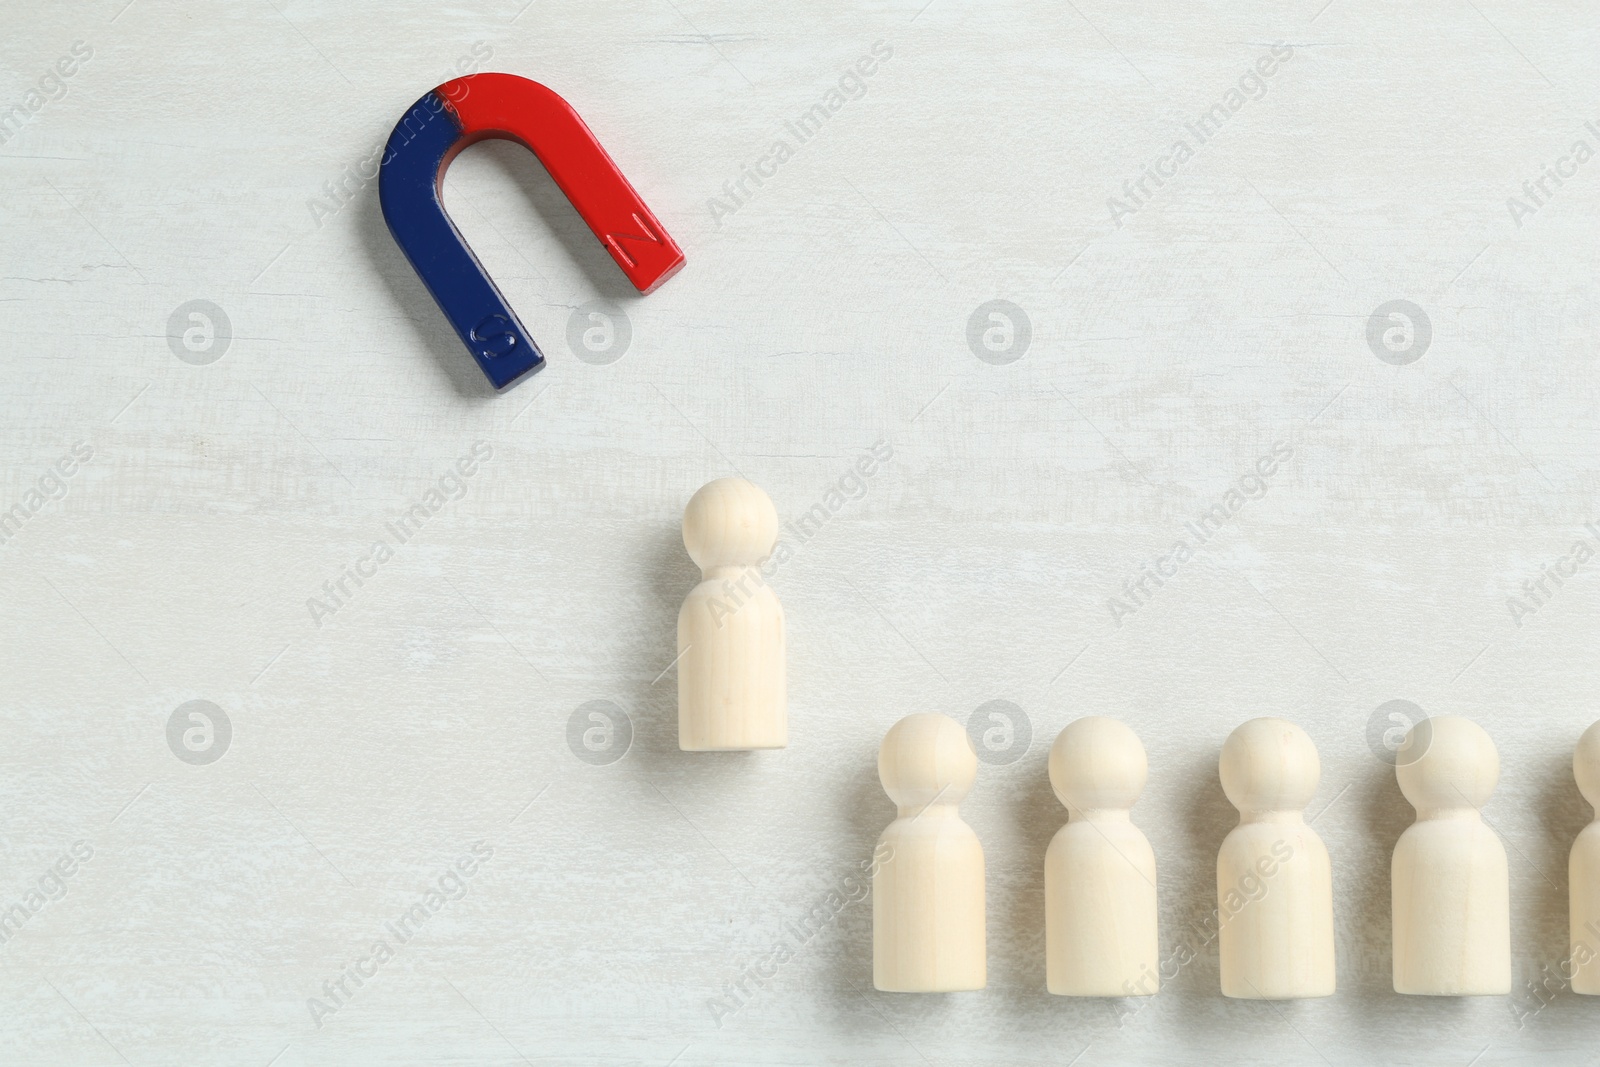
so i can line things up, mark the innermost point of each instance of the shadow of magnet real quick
(471, 109)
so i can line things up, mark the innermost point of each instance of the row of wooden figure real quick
(1450, 890)
(1451, 897)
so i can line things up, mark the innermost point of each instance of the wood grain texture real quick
(643, 903)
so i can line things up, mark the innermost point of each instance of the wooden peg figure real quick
(1099, 871)
(731, 689)
(1583, 870)
(927, 890)
(1452, 913)
(1274, 880)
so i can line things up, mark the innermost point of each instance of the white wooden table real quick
(642, 905)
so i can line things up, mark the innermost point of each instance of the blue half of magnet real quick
(409, 188)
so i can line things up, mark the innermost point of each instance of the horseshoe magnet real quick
(461, 112)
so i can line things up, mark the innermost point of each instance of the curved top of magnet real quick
(433, 131)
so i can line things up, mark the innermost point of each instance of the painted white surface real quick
(827, 313)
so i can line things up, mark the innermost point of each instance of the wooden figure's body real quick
(1099, 871)
(731, 688)
(1274, 878)
(1583, 870)
(927, 891)
(1452, 915)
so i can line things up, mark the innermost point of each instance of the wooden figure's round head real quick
(1097, 763)
(1269, 764)
(729, 523)
(1459, 768)
(926, 759)
(1586, 766)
